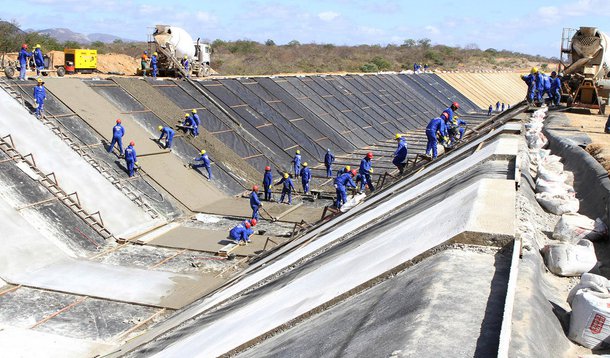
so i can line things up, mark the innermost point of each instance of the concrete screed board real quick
(100, 114)
(121, 216)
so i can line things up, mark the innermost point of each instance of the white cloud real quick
(432, 30)
(328, 15)
(205, 17)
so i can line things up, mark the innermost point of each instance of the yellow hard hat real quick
(186, 115)
(39, 80)
(37, 45)
(286, 175)
(298, 151)
(347, 167)
(185, 56)
(194, 110)
(154, 53)
(534, 70)
(398, 135)
(203, 151)
(305, 164)
(160, 128)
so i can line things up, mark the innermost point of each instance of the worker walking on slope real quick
(436, 125)
(241, 233)
(153, 65)
(287, 188)
(296, 163)
(169, 134)
(205, 162)
(131, 160)
(267, 183)
(117, 137)
(400, 154)
(196, 123)
(255, 202)
(40, 94)
(342, 182)
(365, 171)
(555, 88)
(305, 178)
(23, 61)
(38, 59)
(329, 159)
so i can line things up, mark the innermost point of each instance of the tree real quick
(471, 46)
(409, 43)
(381, 63)
(270, 42)
(9, 36)
(369, 67)
(71, 44)
(294, 43)
(424, 43)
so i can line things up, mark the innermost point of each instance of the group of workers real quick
(145, 62)
(448, 128)
(24, 56)
(499, 108)
(417, 68)
(539, 84)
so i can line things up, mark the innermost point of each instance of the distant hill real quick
(63, 35)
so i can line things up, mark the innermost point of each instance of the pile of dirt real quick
(106, 63)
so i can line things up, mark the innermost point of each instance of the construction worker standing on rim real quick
(131, 160)
(23, 61)
(287, 188)
(255, 202)
(205, 162)
(117, 137)
(267, 183)
(329, 159)
(153, 65)
(296, 163)
(365, 171)
(305, 178)
(38, 59)
(40, 94)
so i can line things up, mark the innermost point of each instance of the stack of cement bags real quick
(590, 318)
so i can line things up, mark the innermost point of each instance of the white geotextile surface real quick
(121, 216)
(394, 246)
(27, 258)
(27, 343)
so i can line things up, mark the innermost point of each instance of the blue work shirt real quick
(40, 93)
(329, 158)
(153, 60)
(118, 131)
(555, 83)
(196, 119)
(365, 166)
(345, 180)
(401, 151)
(167, 131)
(305, 174)
(287, 183)
(437, 125)
(23, 56)
(267, 178)
(130, 154)
(450, 114)
(38, 58)
(254, 200)
(205, 159)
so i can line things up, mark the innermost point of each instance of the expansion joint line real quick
(47, 318)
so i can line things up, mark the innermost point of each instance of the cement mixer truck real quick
(172, 44)
(585, 63)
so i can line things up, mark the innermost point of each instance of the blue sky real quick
(516, 25)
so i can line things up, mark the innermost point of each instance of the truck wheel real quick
(61, 71)
(9, 72)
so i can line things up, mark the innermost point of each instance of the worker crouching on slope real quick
(241, 233)
(456, 129)
(169, 134)
(400, 154)
(436, 125)
(267, 183)
(342, 182)
(131, 160)
(40, 95)
(305, 177)
(365, 171)
(287, 188)
(117, 137)
(255, 202)
(205, 162)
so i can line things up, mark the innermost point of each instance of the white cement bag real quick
(551, 176)
(573, 227)
(568, 259)
(558, 204)
(590, 319)
(555, 188)
(536, 140)
(589, 282)
(555, 167)
(534, 126)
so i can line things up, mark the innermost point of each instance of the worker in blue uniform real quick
(305, 177)
(400, 154)
(241, 232)
(153, 64)
(346, 169)
(287, 188)
(555, 88)
(168, 133)
(40, 95)
(531, 83)
(185, 64)
(450, 112)
(196, 123)
(366, 169)
(205, 162)
(38, 59)
(23, 61)
(130, 158)
(267, 183)
(498, 106)
(329, 159)
(117, 137)
(490, 110)
(296, 164)
(435, 126)
(546, 87)
(342, 182)
(456, 129)
(503, 106)
(255, 202)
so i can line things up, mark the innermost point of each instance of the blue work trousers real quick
(289, 193)
(432, 143)
(116, 140)
(267, 189)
